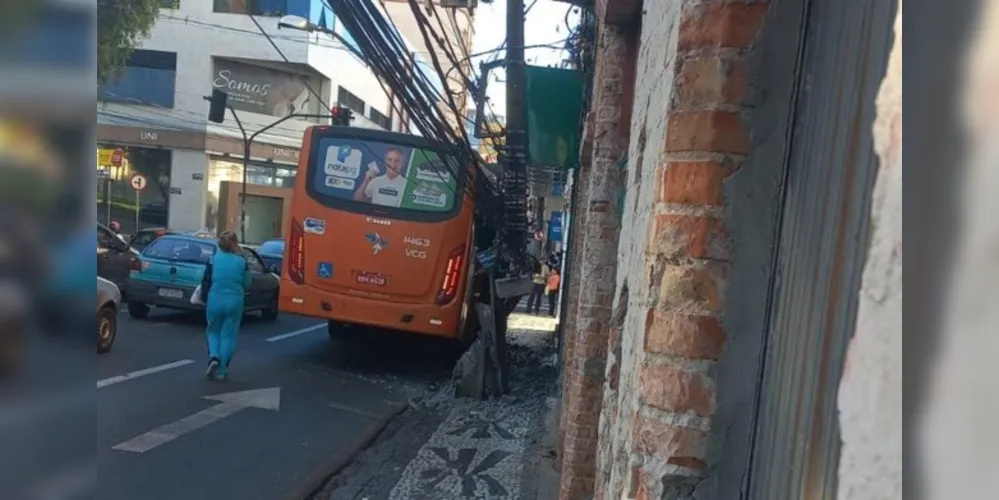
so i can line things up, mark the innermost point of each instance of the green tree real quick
(121, 24)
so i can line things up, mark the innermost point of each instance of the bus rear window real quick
(383, 175)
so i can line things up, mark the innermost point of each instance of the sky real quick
(545, 24)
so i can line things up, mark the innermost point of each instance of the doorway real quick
(263, 218)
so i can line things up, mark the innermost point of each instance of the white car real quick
(108, 305)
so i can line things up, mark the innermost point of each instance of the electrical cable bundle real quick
(387, 54)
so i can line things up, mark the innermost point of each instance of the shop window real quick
(383, 121)
(348, 99)
(117, 201)
(149, 77)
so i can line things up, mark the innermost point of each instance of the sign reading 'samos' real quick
(263, 90)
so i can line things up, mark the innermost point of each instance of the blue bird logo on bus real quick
(377, 242)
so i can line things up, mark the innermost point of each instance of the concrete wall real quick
(870, 394)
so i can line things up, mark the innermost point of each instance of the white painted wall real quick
(187, 209)
(870, 394)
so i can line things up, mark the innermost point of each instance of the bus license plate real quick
(171, 293)
(371, 279)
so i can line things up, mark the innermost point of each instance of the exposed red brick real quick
(687, 236)
(638, 488)
(705, 81)
(673, 389)
(692, 287)
(692, 183)
(684, 335)
(707, 130)
(668, 442)
(573, 486)
(720, 24)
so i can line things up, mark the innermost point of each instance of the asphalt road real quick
(295, 401)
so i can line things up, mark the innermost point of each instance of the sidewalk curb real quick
(317, 479)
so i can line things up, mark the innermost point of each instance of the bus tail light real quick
(296, 253)
(452, 275)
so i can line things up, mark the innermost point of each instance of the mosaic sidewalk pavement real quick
(471, 456)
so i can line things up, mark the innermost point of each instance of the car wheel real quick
(107, 328)
(138, 310)
(270, 313)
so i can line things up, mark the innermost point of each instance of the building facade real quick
(152, 119)
(727, 229)
(455, 27)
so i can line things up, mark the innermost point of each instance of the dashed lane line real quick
(295, 333)
(142, 373)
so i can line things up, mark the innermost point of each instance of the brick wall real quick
(594, 265)
(687, 136)
(687, 253)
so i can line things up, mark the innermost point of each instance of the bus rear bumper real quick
(424, 319)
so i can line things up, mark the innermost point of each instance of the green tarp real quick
(554, 105)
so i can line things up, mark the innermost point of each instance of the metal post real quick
(246, 163)
(138, 208)
(107, 196)
(515, 168)
(247, 144)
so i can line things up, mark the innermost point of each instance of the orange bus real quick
(380, 234)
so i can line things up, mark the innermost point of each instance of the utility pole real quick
(515, 157)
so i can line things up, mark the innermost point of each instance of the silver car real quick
(108, 305)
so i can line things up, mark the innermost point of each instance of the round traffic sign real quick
(138, 182)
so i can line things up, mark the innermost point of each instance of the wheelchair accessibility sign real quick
(325, 270)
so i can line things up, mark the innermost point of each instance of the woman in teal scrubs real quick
(229, 280)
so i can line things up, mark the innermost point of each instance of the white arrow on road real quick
(232, 402)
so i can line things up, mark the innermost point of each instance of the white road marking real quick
(295, 333)
(142, 373)
(232, 402)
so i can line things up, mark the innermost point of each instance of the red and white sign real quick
(117, 157)
(138, 182)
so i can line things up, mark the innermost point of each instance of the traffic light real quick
(342, 116)
(219, 101)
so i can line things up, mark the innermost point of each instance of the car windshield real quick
(180, 249)
(272, 247)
